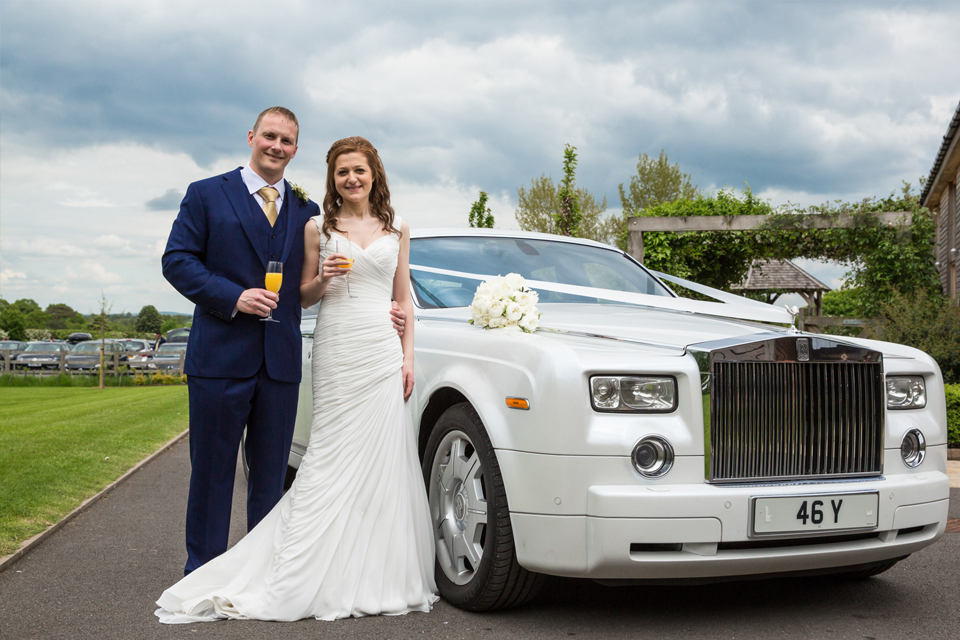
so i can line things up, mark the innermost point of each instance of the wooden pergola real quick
(776, 277)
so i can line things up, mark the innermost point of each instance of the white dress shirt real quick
(254, 183)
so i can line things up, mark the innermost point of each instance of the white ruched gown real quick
(352, 536)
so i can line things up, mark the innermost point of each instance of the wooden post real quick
(635, 240)
(63, 361)
(182, 354)
(6, 360)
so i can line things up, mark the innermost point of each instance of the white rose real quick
(514, 281)
(496, 308)
(529, 322)
(497, 322)
(514, 312)
(481, 305)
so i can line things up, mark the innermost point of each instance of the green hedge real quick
(953, 413)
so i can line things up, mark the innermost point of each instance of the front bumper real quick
(635, 530)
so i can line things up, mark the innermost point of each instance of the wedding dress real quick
(352, 536)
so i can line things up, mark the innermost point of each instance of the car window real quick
(42, 346)
(544, 260)
(87, 347)
(171, 349)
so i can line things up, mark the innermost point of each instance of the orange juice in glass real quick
(272, 282)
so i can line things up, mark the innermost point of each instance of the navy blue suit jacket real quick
(218, 248)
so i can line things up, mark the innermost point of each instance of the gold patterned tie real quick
(270, 195)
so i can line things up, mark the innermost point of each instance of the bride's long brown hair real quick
(379, 193)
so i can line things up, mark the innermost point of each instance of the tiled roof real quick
(781, 275)
(941, 157)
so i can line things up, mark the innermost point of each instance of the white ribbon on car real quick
(730, 305)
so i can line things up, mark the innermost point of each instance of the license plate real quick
(33, 364)
(815, 513)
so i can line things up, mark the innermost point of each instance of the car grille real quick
(773, 420)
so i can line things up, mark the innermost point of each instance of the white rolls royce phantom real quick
(641, 436)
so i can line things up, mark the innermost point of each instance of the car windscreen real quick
(88, 347)
(49, 347)
(171, 349)
(11, 346)
(134, 346)
(545, 260)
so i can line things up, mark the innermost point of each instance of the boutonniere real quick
(302, 194)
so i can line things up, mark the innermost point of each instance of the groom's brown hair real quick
(282, 111)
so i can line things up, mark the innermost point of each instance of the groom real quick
(241, 372)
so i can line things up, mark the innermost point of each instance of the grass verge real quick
(59, 446)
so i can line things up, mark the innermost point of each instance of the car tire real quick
(476, 562)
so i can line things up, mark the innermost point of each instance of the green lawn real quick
(59, 446)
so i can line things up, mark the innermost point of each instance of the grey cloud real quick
(777, 71)
(169, 201)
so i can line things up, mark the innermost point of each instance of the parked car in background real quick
(86, 355)
(640, 436)
(168, 357)
(178, 335)
(13, 347)
(135, 345)
(41, 355)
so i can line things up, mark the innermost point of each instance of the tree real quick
(62, 316)
(841, 302)
(149, 320)
(480, 214)
(105, 307)
(657, 182)
(569, 215)
(539, 206)
(882, 260)
(12, 322)
(715, 258)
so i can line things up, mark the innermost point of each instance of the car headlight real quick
(633, 394)
(906, 392)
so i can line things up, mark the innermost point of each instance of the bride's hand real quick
(407, 371)
(333, 266)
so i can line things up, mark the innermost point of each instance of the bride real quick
(352, 536)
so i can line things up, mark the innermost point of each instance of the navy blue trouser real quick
(219, 410)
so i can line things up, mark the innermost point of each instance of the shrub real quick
(952, 391)
(38, 334)
(4, 335)
(930, 323)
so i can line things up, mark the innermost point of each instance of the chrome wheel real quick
(458, 506)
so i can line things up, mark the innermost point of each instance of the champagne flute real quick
(349, 265)
(272, 282)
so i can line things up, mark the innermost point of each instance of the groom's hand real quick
(398, 316)
(257, 302)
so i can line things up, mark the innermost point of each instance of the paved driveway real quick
(99, 575)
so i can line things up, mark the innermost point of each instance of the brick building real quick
(940, 195)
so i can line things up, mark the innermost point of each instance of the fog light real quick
(652, 457)
(913, 448)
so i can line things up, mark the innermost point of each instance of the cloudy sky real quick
(110, 108)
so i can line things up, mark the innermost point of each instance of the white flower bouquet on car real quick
(505, 302)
